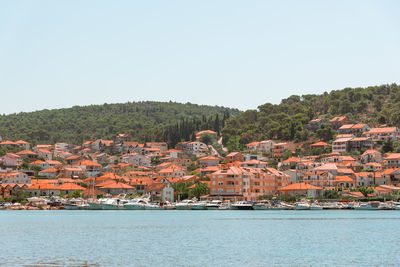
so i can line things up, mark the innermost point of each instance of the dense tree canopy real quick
(144, 121)
(372, 105)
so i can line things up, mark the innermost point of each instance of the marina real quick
(58, 203)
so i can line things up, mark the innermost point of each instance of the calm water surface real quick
(199, 238)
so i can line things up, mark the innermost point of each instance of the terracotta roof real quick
(300, 186)
(8, 143)
(253, 144)
(320, 144)
(382, 130)
(27, 152)
(37, 162)
(392, 156)
(49, 170)
(115, 185)
(343, 178)
(291, 160)
(209, 158)
(44, 151)
(346, 126)
(70, 186)
(87, 163)
(389, 171)
(53, 162)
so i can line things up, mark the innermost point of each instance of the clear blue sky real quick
(232, 53)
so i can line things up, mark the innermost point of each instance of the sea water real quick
(199, 238)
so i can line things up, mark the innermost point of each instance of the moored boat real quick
(185, 204)
(214, 205)
(114, 204)
(153, 206)
(372, 205)
(76, 204)
(265, 205)
(331, 205)
(226, 205)
(95, 204)
(242, 205)
(302, 206)
(200, 205)
(315, 206)
(136, 204)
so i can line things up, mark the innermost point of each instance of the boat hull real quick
(153, 208)
(242, 207)
(95, 206)
(198, 207)
(134, 207)
(366, 208)
(301, 207)
(316, 208)
(182, 207)
(71, 207)
(109, 207)
(261, 207)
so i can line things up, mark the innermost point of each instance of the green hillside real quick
(372, 105)
(144, 121)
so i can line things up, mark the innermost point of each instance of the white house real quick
(11, 160)
(137, 159)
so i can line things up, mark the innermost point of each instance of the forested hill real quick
(144, 121)
(373, 105)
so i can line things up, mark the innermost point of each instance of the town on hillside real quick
(357, 163)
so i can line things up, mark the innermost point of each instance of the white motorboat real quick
(76, 204)
(37, 202)
(302, 206)
(185, 204)
(113, 204)
(200, 205)
(214, 205)
(225, 206)
(262, 205)
(242, 205)
(331, 205)
(373, 205)
(315, 206)
(95, 204)
(136, 204)
(387, 206)
(152, 206)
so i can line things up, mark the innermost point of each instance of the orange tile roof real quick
(300, 186)
(291, 160)
(53, 162)
(320, 144)
(44, 151)
(382, 130)
(87, 162)
(49, 170)
(8, 143)
(253, 144)
(343, 178)
(115, 185)
(70, 186)
(27, 152)
(209, 158)
(37, 162)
